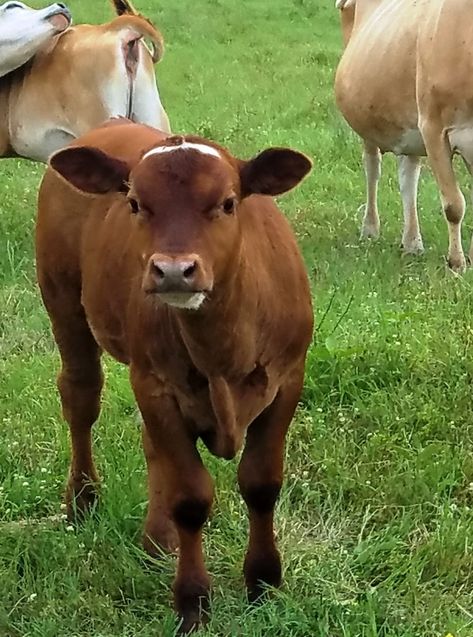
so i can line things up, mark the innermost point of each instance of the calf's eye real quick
(229, 205)
(134, 206)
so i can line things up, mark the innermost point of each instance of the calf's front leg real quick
(187, 492)
(260, 478)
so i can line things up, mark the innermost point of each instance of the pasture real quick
(376, 515)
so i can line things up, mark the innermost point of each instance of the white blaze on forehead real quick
(200, 148)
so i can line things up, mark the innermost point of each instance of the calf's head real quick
(184, 196)
(25, 31)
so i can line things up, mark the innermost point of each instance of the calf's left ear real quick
(273, 172)
(90, 170)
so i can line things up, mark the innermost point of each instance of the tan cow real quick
(169, 253)
(87, 75)
(404, 85)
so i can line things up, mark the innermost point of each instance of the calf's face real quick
(185, 196)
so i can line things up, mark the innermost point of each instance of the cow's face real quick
(25, 31)
(185, 196)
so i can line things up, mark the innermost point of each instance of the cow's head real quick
(347, 16)
(25, 31)
(185, 195)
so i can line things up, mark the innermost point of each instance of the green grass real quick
(375, 520)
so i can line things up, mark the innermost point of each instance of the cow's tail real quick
(129, 18)
(124, 7)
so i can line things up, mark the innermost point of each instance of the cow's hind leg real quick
(468, 159)
(440, 156)
(372, 164)
(409, 171)
(80, 382)
(260, 477)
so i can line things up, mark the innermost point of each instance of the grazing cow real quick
(403, 84)
(25, 31)
(84, 77)
(167, 254)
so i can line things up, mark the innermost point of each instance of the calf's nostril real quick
(158, 271)
(189, 270)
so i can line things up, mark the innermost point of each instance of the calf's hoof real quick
(160, 538)
(261, 571)
(81, 497)
(191, 602)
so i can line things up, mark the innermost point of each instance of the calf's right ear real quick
(90, 170)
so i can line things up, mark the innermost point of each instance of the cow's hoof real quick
(412, 246)
(457, 265)
(369, 232)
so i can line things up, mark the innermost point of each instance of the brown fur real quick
(231, 368)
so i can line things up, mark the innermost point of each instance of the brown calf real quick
(176, 264)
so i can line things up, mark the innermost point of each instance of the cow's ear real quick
(274, 171)
(91, 170)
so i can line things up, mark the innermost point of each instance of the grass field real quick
(375, 521)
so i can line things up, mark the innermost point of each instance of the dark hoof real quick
(81, 499)
(192, 605)
(261, 572)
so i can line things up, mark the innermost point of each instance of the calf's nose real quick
(178, 274)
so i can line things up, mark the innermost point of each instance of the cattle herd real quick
(169, 253)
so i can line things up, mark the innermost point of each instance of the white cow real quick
(25, 31)
(76, 81)
(404, 85)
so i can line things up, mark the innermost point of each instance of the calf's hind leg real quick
(260, 477)
(79, 382)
